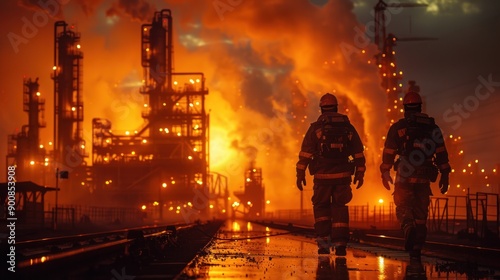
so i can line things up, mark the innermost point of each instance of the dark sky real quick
(450, 70)
(266, 63)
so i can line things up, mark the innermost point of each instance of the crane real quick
(380, 22)
(385, 58)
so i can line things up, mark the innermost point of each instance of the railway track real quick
(113, 254)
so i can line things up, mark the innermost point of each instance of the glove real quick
(386, 179)
(358, 178)
(301, 181)
(444, 182)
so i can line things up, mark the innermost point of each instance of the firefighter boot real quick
(410, 234)
(415, 257)
(323, 244)
(340, 250)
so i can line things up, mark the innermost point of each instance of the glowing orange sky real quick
(266, 64)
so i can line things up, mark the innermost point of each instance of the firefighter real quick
(333, 151)
(418, 143)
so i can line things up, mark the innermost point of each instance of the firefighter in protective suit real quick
(333, 151)
(418, 142)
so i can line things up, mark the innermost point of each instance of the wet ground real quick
(243, 250)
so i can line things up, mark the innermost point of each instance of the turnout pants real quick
(331, 215)
(412, 208)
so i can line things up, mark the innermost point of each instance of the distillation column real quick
(24, 149)
(175, 113)
(68, 109)
(69, 144)
(163, 164)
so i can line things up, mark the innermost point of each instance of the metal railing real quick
(474, 216)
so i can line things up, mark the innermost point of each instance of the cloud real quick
(451, 7)
(140, 10)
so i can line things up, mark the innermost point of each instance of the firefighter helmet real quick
(412, 98)
(328, 100)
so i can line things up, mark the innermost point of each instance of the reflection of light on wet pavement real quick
(251, 251)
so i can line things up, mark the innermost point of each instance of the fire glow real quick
(266, 62)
